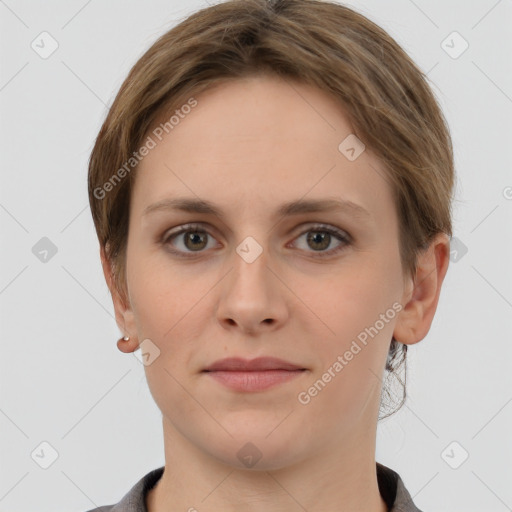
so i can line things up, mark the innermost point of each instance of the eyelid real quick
(183, 228)
(319, 226)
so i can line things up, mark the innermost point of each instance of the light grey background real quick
(63, 380)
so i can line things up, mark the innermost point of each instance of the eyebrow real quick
(193, 205)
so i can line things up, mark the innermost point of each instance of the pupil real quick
(194, 238)
(324, 237)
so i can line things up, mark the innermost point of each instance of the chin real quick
(259, 447)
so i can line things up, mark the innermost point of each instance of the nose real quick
(252, 297)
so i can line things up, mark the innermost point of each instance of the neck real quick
(344, 479)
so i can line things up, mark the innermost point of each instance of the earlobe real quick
(127, 344)
(420, 304)
(123, 312)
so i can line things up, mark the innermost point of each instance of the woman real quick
(271, 190)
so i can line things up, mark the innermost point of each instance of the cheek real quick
(170, 310)
(357, 308)
(352, 353)
(355, 297)
(160, 294)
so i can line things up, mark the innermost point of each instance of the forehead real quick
(259, 137)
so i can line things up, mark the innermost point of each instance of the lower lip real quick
(255, 380)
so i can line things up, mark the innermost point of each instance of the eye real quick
(192, 238)
(320, 237)
(195, 239)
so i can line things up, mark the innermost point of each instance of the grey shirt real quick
(391, 488)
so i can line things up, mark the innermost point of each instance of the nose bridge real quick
(250, 296)
(250, 262)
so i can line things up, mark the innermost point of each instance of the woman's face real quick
(251, 282)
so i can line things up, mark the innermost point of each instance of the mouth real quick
(257, 365)
(253, 375)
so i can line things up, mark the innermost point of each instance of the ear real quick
(422, 295)
(124, 315)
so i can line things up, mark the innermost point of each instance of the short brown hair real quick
(385, 96)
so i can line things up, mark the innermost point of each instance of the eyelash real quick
(197, 228)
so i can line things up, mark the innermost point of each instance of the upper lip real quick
(251, 365)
